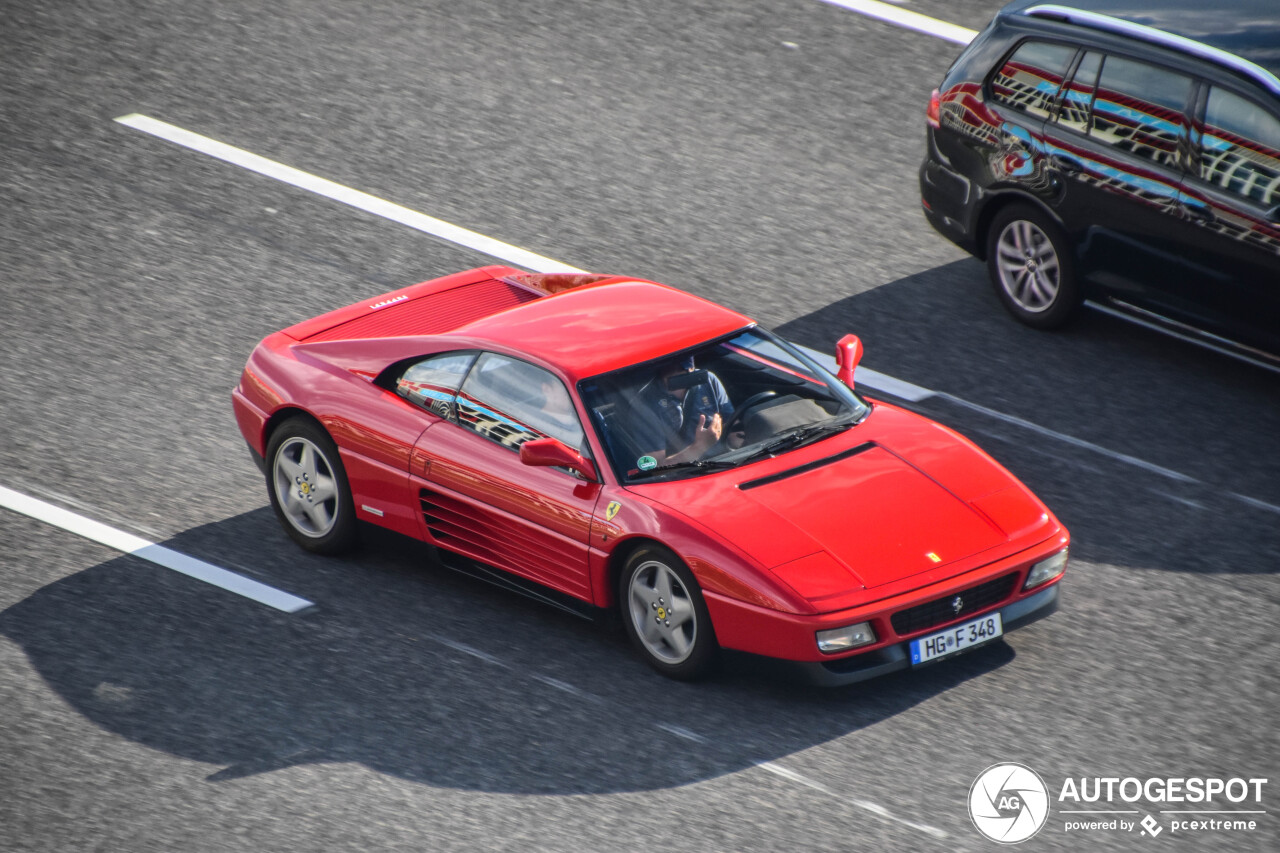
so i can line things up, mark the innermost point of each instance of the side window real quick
(1029, 79)
(511, 401)
(1138, 108)
(433, 382)
(1240, 148)
(1077, 98)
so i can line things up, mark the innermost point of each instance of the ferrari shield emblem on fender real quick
(611, 510)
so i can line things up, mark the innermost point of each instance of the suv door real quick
(1021, 94)
(1233, 198)
(1116, 149)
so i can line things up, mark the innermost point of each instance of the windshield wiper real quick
(703, 464)
(801, 436)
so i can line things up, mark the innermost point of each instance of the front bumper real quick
(886, 659)
(257, 457)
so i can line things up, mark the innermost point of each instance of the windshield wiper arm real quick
(705, 464)
(803, 435)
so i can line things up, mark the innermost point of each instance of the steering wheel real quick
(747, 405)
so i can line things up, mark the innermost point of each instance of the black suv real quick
(1121, 151)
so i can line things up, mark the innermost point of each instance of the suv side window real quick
(511, 401)
(1240, 148)
(1029, 79)
(433, 382)
(1139, 108)
(1077, 98)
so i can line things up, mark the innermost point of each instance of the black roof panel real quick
(1250, 29)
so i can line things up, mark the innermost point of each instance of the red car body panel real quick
(532, 521)
(749, 628)
(607, 325)
(897, 511)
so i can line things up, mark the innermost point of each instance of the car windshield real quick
(722, 404)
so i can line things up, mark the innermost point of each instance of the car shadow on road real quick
(413, 671)
(1154, 452)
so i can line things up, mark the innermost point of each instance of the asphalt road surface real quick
(762, 153)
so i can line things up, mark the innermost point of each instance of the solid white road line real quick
(887, 384)
(865, 377)
(337, 192)
(149, 551)
(915, 394)
(1073, 441)
(910, 20)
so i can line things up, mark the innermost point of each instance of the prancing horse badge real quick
(611, 510)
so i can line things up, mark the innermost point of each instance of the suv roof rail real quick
(1157, 36)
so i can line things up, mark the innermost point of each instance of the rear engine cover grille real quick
(432, 314)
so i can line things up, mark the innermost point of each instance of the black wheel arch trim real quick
(991, 203)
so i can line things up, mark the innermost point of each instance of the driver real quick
(683, 423)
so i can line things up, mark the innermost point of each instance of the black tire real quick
(1032, 267)
(308, 487)
(684, 651)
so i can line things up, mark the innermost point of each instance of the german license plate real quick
(956, 638)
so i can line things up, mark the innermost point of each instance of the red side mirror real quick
(555, 454)
(848, 354)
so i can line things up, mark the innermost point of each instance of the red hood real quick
(892, 498)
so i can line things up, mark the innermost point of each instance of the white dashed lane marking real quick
(138, 547)
(337, 192)
(863, 805)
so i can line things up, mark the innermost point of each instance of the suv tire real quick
(1032, 267)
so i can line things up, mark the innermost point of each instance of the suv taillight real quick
(934, 115)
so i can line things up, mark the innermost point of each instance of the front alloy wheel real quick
(665, 615)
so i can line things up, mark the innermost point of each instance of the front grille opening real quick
(942, 610)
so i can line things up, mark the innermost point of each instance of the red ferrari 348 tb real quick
(619, 444)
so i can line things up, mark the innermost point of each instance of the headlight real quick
(843, 639)
(1046, 570)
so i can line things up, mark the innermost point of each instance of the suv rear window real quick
(1029, 79)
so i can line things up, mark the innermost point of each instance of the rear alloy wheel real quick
(1031, 266)
(665, 615)
(308, 488)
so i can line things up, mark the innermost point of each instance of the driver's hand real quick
(737, 439)
(708, 432)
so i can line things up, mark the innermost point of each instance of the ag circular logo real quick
(1009, 803)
